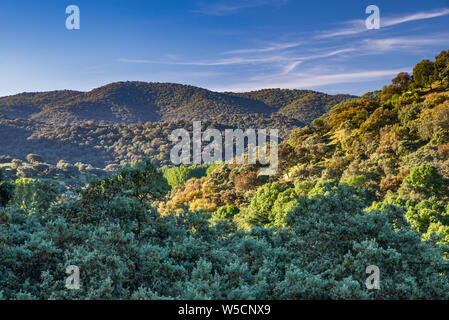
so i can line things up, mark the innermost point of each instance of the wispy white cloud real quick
(401, 43)
(270, 48)
(143, 61)
(290, 67)
(414, 17)
(242, 60)
(327, 54)
(223, 8)
(210, 63)
(187, 76)
(354, 27)
(303, 80)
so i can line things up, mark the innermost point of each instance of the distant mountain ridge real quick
(132, 102)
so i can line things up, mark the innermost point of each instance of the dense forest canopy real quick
(132, 102)
(365, 183)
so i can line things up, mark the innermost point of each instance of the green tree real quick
(139, 180)
(423, 73)
(178, 176)
(34, 195)
(428, 211)
(285, 202)
(442, 67)
(226, 212)
(402, 81)
(6, 191)
(422, 182)
(258, 211)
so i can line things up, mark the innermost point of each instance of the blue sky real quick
(232, 45)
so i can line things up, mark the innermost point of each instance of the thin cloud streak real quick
(289, 68)
(222, 62)
(358, 26)
(299, 81)
(220, 9)
(401, 43)
(414, 17)
(274, 47)
(240, 60)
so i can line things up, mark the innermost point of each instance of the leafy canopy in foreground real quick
(126, 250)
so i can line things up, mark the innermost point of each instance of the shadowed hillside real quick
(131, 102)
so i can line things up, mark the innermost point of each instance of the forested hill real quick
(132, 102)
(303, 105)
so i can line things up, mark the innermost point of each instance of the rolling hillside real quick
(132, 102)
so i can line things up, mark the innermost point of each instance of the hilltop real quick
(132, 102)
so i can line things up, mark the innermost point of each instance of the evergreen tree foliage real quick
(6, 191)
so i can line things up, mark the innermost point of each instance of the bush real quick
(226, 212)
(68, 169)
(245, 181)
(34, 158)
(178, 176)
(443, 150)
(16, 163)
(41, 167)
(26, 172)
(5, 159)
